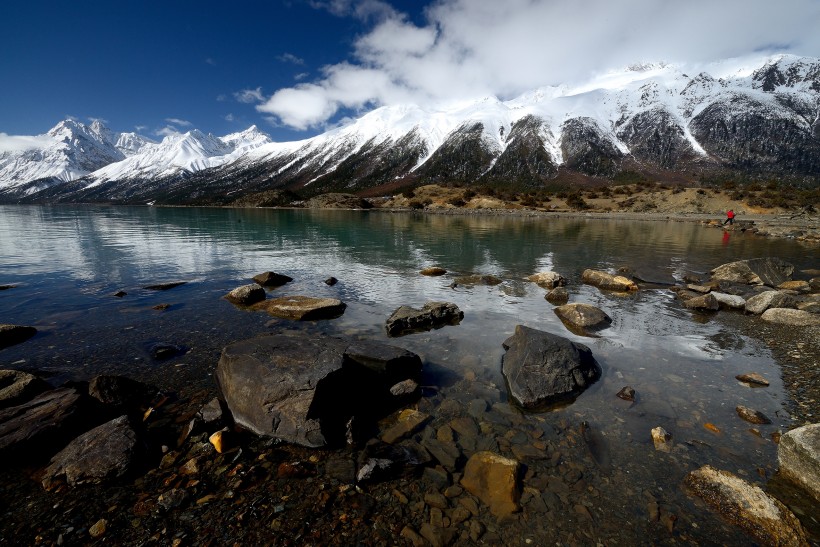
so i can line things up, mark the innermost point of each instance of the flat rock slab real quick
(305, 389)
(756, 271)
(15, 334)
(770, 299)
(795, 318)
(272, 279)
(302, 308)
(608, 282)
(542, 369)
(798, 455)
(746, 506)
(432, 315)
(494, 480)
(42, 423)
(104, 453)
(729, 301)
(17, 387)
(583, 317)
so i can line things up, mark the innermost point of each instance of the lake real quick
(67, 263)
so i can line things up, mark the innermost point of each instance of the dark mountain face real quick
(525, 160)
(655, 136)
(588, 149)
(463, 157)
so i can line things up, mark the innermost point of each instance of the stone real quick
(408, 423)
(661, 438)
(746, 506)
(302, 308)
(7, 287)
(446, 453)
(381, 461)
(795, 318)
(584, 317)
(97, 530)
(164, 286)
(494, 480)
(120, 294)
(607, 281)
(626, 393)
(557, 296)
(432, 315)
(43, 423)
(405, 388)
(489, 280)
(246, 295)
(799, 286)
(211, 412)
(757, 271)
(752, 416)
(798, 456)
(120, 392)
(164, 351)
(705, 302)
(548, 280)
(753, 378)
(219, 441)
(11, 335)
(770, 299)
(541, 368)
(729, 301)
(17, 387)
(105, 453)
(272, 279)
(305, 389)
(811, 307)
(433, 271)
(438, 537)
(330, 281)
(698, 288)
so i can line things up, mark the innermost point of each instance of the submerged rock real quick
(795, 318)
(432, 315)
(246, 295)
(751, 415)
(798, 455)
(164, 286)
(548, 280)
(120, 392)
(494, 480)
(757, 271)
(433, 271)
(44, 423)
(489, 280)
(607, 281)
(583, 317)
(15, 334)
(541, 368)
(746, 506)
(272, 279)
(303, 308)
(557, 296)
(753, 378)
(17, 387)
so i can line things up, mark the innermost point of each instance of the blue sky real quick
(297, 67)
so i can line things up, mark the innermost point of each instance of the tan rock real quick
(751, 415)
(98, 528)
(494, 480)
(433, 271)
(753, 378)
(409, 421)
(788, 316)
(607, 281)
(661, 439)
(302, 308)
(548, 280)
(799, 286)
(798, 455)
(583, 316)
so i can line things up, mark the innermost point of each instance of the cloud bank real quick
(19, 143)
(467, 49)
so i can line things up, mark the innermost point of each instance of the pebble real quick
(98, 529)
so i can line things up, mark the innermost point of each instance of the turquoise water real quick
(67, 262)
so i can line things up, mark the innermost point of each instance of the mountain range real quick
(651, 121)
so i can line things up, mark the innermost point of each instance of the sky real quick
(296, 68)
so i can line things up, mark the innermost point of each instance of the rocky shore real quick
(317, 440)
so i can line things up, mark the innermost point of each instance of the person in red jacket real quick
(730, 217)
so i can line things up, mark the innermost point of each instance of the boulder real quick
(729, 301)
(432, 315)
(246, 295)
(756, 271)
(272, 279)
(17, 387)
(494, 480)
(607, 281)
(548, 280)
(747, 506)
(104, 453)
(583, 317)
(302, 308)
(795, 318)
(14, 334)
(541, 368)
(769, 299)
(704, 302)
(489, 280)
(433, 271)
(557, 296)
(798, 455)
(306, 389)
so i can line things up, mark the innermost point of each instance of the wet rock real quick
(753, 378)
(302, 308)
(438, 477)
(757, 271)
(433, 271)
(607, 281)
(272, 279)
(799, 286)
(97, 530)
(795, 318)
(661, 439)
(684, 294)
(752, 416)
(11, 335)
(220, 440)
(489, 280)
(729, 301)
(770, 299)
(494, 480)
(746, 506)
(120, 392)
(105, 453)
(405, 388)
(381, 461)
(557, 296)
(583, 317)
(246, 295)
(626, 393)
(163, 351)
(446, 453)
(120, 294)
(211, 413)
(305, 389)
(798, 455)
(705, 302)
(548, 280)
(341, 468)
(542, 368)
(7, 287)
(432, 315)
(16, 387)
(164, 286)
(811, 307)
(330, 281)
(172, 499)
(413, 537)
(42, 424)
(698, 288)
(438, 537)
(409, 422)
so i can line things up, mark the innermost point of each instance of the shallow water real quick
(67, 262)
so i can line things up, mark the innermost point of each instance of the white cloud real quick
(101, 120)
(301, 76)
(473, 48)
(167, 131)
(21, 143)
(177, 121)
(140, 127)
(291, 58)
(229, 117)
(249, 96)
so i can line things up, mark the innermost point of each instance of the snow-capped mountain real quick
(761, 120)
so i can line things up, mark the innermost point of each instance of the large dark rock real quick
(542, 368)
(14, 334)
(432, 315)
(305, 389)
(120, 392)
(17, 387)
(272, 279)
(756, 271)
(104, 453)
